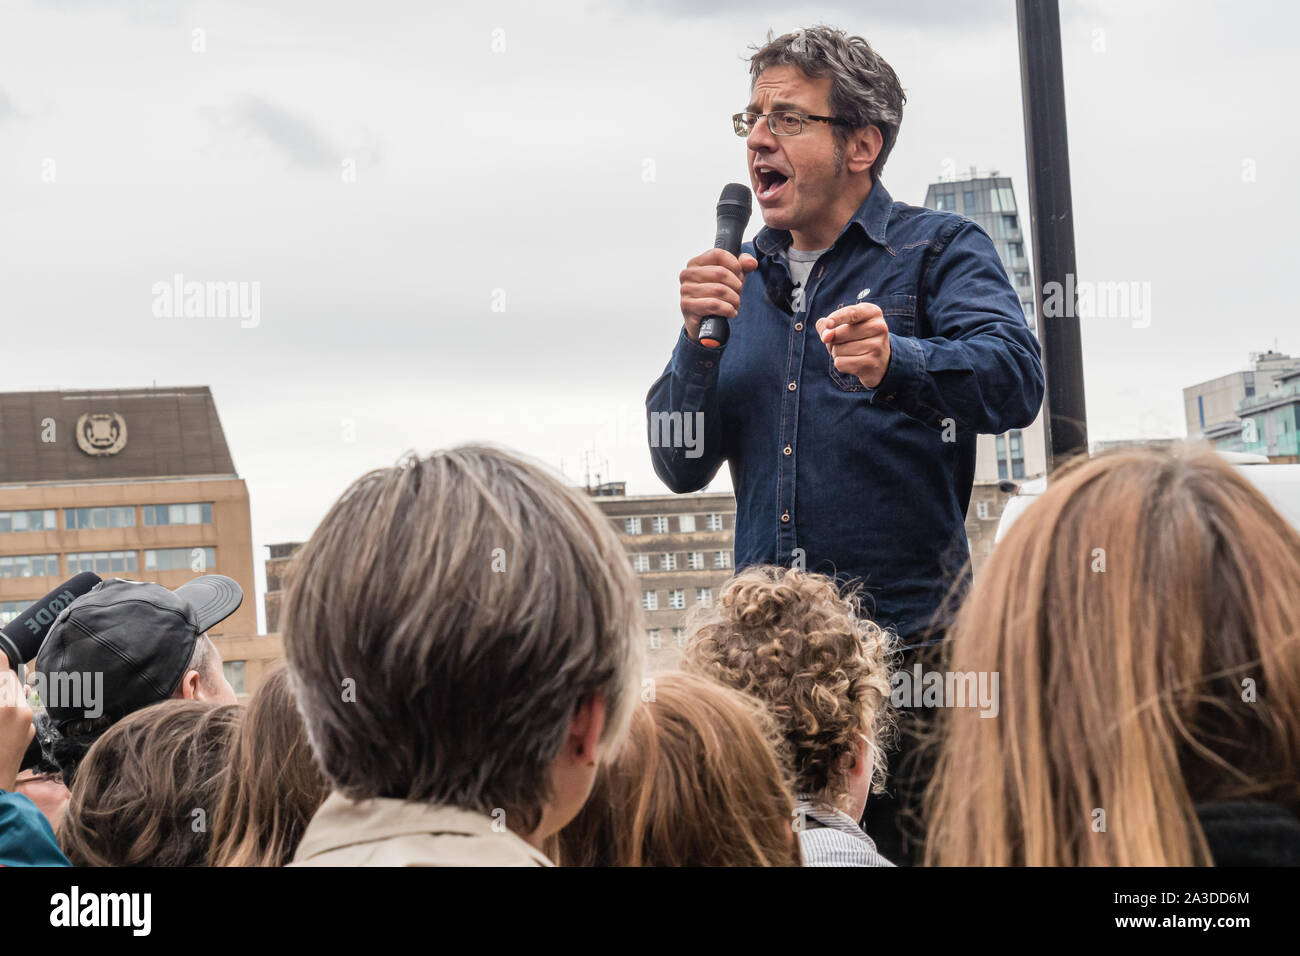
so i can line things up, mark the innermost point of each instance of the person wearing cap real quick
(135, 643)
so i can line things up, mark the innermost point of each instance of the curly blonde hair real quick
(791, 639)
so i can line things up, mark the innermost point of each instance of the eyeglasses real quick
(781, 122)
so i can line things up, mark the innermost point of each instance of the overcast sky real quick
(467, 220)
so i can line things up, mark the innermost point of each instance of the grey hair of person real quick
(864, 90)
(445, 622)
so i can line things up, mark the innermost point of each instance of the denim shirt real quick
(869, 485)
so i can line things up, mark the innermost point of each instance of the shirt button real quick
(791, 386)
(789, 450)
(785, 517)
(708, 365)
(798, 326)
(890, 396)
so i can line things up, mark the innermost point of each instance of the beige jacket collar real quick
(386, 832)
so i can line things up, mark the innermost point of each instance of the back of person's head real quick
(444, 624)
(790, 639)
(147, 791)
(202, 679)
(1142, 619)
(273, 787)
(698, 782)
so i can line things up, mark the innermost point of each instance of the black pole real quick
(1052, 218)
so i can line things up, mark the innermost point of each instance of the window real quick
(677, 599)
(1009, 223)
(76, 519)
(1022, 278)
(660, 524)
(695, 560)
(946, 201)
(686, 523)
(650, 600)
(29, 566)
(704, 597)
(234, 671)
(180, 559)
(103, 561)
(715, 522)
(194, 513)
(969, 201)
(11, 609)
(1017, 454)
(1016, 250)
(655, 642)
(641, 562)
(679, 636)
(632, 525)
(28, 520)
(722, 559)
(1006, 199)
(981, 509)
(667, 562)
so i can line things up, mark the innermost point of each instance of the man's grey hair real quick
(444, 623)
(864, 88)
(203, 660)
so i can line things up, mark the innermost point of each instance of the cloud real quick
(299, 139)
(7, 111)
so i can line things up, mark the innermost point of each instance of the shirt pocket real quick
(900, 315)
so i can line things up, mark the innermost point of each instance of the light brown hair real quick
(1142, 617)
(790, 639)
(147, 790)
(274, 787)
(445, 621)
(697, 783)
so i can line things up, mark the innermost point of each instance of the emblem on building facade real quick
(101, 433)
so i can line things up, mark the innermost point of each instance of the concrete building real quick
(276, 566)
(1268, 423)
(681, 548)
(136, 484)
(1211, 408)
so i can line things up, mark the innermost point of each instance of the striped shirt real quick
(830, 837)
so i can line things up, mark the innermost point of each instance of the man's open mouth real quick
(770, 182)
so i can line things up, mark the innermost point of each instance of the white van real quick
(1279, 483)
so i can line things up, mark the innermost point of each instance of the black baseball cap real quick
(139, 635)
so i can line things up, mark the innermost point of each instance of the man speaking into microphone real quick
(870, 342)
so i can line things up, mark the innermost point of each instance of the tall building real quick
(276, 566)
(136, 484)
(1211, 408)
(1020, 454)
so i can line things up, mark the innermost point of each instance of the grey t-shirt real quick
(801, 265)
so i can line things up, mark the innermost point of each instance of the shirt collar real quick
(872, 218)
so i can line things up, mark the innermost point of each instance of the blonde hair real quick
(1143, 618)
(473, 600)
(274, 788)
(790, 639)
(697, 783)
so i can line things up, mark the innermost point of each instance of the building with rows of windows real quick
(135, 484)
(680, 547)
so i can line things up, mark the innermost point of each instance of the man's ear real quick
(585, 729)
(189, 688)
(864, 147)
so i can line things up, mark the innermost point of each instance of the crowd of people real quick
(465, 684)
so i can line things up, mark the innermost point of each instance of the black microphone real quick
(21, 638)
(734, 208)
